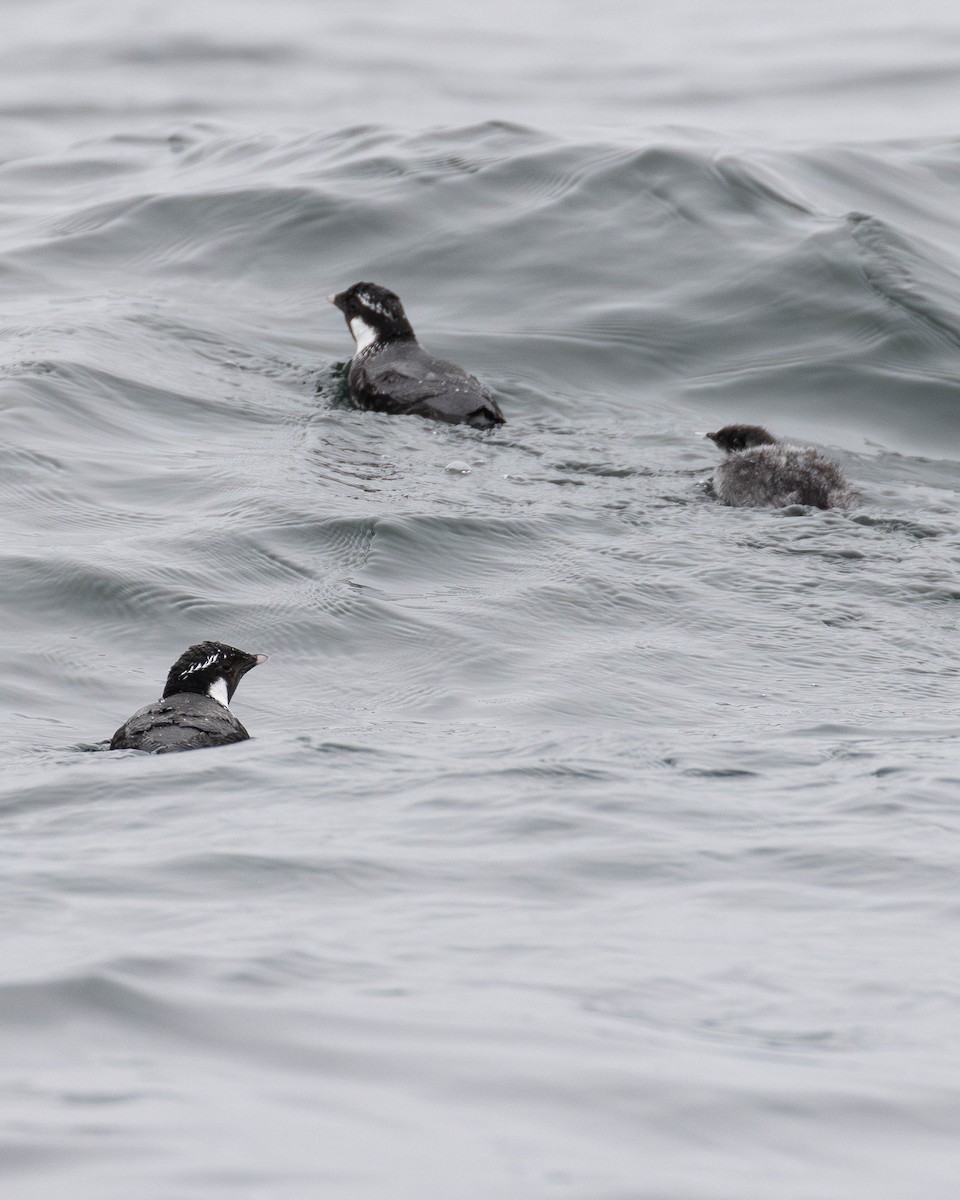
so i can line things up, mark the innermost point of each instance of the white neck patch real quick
(218, 690)
(363, 334)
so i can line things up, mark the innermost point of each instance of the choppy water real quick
(594, 842)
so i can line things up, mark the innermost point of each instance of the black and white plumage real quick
(193, 712)
(392, 373)
(759, 471)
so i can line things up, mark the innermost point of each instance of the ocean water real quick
(594, 842)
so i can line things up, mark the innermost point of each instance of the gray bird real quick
(392, 373)
(193, 712)
(759, 471)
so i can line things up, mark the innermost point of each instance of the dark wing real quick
(424, 386)
(179, 723)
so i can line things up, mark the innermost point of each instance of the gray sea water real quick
(594, 842)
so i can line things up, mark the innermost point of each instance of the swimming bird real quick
(193, 712)
(760, 471)
(392, 373)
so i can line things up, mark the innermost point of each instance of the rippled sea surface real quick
(595, 842)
